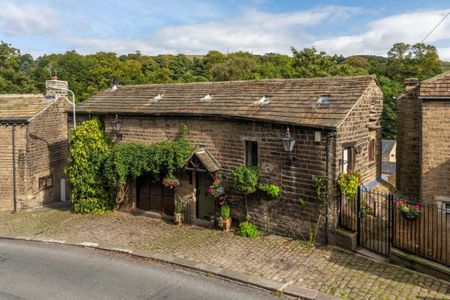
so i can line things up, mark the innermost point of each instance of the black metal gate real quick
(369, 214)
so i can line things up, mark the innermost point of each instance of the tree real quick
(310, 63)
(273, 65)
(390, 89)
(237, 66)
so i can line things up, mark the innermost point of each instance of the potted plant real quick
(408, 211)
(178, 215)
(272, 190)
(225, 213)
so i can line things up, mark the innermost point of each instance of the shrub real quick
(248, 229)
(348, 184)
(89, 149)
(271, 190)
(178, 205)
(245, 179)
(225, 211)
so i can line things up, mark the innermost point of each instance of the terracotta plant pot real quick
(408, 215)
(226, 224)
(178, 219)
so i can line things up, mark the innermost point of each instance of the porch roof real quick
(206, 158)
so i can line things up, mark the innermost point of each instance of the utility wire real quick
(435, 27)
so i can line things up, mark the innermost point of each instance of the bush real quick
(271, 190)
(248, 229)
(245, 179)
(225, 211)
(348, 184)
(89, 149)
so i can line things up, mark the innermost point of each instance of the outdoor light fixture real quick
(116, 125)
(288, 144)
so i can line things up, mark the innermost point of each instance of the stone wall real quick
(225, 140)
(6, 165)
(435, 150)
(47, 151)
(409, 144)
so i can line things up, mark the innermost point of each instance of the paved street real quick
(328, 270)
(30, 270)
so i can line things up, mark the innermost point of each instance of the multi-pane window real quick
(251, 153)
(348, 160)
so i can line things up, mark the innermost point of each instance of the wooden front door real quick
(205, 201)
(154, 196)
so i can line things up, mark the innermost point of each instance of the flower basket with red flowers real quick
(408, 211)
(216, 189)
(170, 182)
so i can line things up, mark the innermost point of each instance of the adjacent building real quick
(388, 161)
(33, 131)
(335, 123)
(423, 141)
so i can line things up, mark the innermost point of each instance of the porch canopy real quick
(202, 161)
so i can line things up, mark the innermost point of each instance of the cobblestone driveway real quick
(328, 270)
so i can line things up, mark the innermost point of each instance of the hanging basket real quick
(408, 215)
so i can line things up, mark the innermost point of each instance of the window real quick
(372, 150)
(251, 153)
(348, 160)
(45, 182)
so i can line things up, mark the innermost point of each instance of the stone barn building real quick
(33, 131)
(423, 140)
(335, 123)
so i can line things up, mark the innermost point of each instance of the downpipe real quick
(13, 133)
(330, 136)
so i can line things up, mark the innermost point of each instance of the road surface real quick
(30, 270)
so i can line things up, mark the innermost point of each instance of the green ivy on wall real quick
(89, 150)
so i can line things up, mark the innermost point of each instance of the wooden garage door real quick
(154, 196)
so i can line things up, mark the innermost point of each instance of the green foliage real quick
(89, 149)
(245, 179)
(272, 190)
(248, 229)
(390, 89)
(225, 211)
(131, 160)
(348, 184)
(178, 205)
(321, 185)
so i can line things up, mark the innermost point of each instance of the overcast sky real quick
(197, 26)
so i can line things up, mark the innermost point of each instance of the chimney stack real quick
(411, 83)
(55, 88)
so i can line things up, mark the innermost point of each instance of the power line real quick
(435, 27)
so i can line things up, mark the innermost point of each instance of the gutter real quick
(435, 97)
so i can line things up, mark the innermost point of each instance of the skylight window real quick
(263, 101)
(206, 98)
(157, 98)
(324, 100)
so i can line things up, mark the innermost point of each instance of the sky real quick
(197, 26)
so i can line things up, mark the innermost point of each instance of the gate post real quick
(358, 219)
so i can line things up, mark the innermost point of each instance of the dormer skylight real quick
(157, 98)
(206, 98)
(263, 101)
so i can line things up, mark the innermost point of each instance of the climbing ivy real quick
(131, 160)
(89, 149)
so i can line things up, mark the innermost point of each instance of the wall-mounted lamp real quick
(116, 125)
(288, 145)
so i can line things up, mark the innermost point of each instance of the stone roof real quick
(438, 86)
(207, 160)
(21, 107)
(387, 146)
(291, 101)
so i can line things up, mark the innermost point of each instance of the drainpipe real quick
(330, 136)
(13, 132)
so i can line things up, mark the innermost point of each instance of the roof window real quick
(263, 101)
(323, 101)
(157, 98)
(206, 98)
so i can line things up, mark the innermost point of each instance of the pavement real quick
(277, 262)
(50, 271)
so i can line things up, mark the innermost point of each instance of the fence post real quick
(358, 219)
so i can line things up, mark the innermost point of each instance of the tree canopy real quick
(89, 74)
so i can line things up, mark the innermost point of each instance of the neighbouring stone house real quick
(33, 131)
(423, 140)
(334, 121)
(388, 160)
